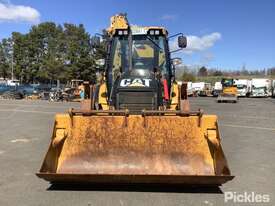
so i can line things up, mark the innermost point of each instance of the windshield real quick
(227, 82)
(259, 88)
(241, 86)
(146, 53)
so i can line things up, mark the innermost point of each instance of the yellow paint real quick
(175, 98)
(118, 22)
(106, 145)
(121, 22)
(102, 96)
(230, 90)
(60, 135)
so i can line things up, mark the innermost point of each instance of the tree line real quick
(190, 74)
(50, 52)
(63, 52)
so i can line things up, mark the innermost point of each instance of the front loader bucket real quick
(176, 148)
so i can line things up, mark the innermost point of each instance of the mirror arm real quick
(174, 58)
(176, 50)
(175, 35)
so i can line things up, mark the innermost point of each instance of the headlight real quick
(154, 32)
(120, 32)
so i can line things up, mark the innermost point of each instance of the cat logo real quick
(135, 82)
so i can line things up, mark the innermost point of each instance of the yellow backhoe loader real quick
(136, 126)
(229, 91)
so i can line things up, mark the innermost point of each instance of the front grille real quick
(136, 101)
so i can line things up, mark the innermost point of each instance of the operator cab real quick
(139, 69)
(140, 50)
(228, 83)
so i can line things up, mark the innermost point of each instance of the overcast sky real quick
(221, 33)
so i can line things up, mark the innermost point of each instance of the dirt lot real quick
(247, 129)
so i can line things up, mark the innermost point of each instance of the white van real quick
(243, 87)
(260, 88)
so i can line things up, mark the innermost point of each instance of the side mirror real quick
(176, 61)
(182, 41)
(95, 41)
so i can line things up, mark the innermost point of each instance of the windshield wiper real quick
(154, 43)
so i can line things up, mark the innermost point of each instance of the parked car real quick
(3, 88)
(13, 82)
(26, 89)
